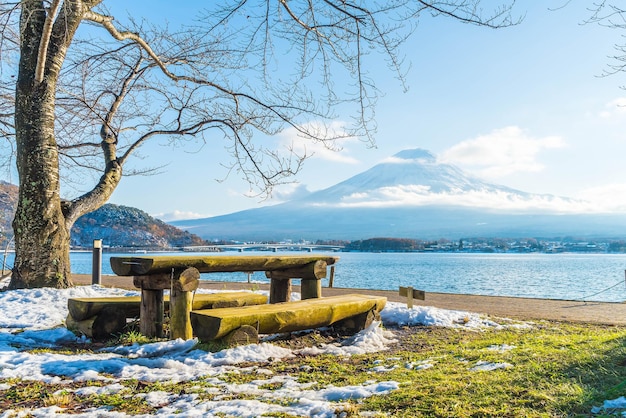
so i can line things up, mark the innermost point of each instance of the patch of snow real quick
(397, 314)
(619, 403)
(501, 348)
(485, 366)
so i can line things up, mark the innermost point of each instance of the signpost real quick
(411, 294)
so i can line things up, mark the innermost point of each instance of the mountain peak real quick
(416, 154)
(414, 178)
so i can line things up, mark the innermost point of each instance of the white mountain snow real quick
(415, 178)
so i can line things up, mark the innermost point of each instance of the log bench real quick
(353, 312)
(101, 317)
(180, 274)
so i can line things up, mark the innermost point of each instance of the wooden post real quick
(280, 290)
(310, 289)
(151, 308)
(409, 297)
(96, 262)
(411, 294)
(181, 300)
(331, 279)
(151, 313)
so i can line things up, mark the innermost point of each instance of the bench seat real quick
(211, 324)
(83, 308)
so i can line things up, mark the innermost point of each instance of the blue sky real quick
(523, 107)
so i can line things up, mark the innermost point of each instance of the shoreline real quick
(607, 313)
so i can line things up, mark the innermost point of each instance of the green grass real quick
(558, 370)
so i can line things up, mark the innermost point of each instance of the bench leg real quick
(151, 313)
(106, 324)
(356, 323)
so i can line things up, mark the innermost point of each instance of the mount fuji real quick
(412, 195)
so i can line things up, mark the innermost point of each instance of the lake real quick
(592, 277)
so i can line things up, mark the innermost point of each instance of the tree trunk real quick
(42, 238)
(43, 220)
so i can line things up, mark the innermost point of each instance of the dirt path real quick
(515, 308)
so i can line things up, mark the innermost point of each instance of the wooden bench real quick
(99, 318)
(351, 311)
(180, 274)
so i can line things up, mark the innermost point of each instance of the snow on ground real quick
(610, 405)
(34, 318)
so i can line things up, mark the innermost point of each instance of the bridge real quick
(264, 247)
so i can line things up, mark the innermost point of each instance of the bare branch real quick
(611, 16)
(51, 13)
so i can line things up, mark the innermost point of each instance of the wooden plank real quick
(312, 271)
(283, 317)
(137, 266)
(188, 279)
(417, 294)
(83, 308)
(227, 299)
(160, 281)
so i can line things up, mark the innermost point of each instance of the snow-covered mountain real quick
(412, 195)
(417, 167)
(414, 178)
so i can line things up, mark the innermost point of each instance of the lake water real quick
(591, 277)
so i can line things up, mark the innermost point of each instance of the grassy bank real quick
(545, 370)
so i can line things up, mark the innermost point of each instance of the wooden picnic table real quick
(180, 274)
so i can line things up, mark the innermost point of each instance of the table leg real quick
(151, 313)
(311, 288)
(280, 290)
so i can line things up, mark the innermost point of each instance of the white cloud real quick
(419, 195)
(614, 108)
(288, 192)
(333, 150)
(179, 215)
(502, 152)
(610, 197)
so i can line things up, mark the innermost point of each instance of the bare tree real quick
(91, 90)
(609, 14)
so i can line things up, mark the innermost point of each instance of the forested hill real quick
(124, 226)
(117, 226)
